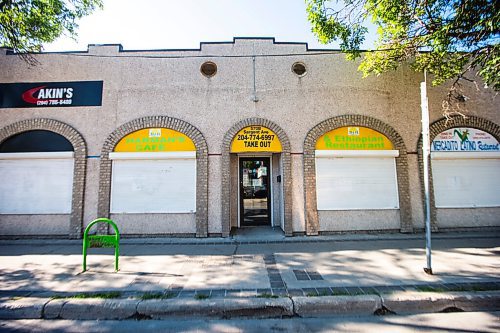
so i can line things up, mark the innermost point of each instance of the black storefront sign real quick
(51, 94)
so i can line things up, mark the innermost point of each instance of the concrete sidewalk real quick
(230, 276)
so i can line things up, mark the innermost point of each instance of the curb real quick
(221, 308)
(424, 302)
(120, 309)
(98, 309)
(336, 305)
(22, 308)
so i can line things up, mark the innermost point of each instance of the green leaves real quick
(448, 38)
(26, 24)
(339, 25)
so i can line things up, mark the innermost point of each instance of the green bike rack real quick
(92, 241)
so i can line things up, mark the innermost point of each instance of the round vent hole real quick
(299, 69)
(208, 69)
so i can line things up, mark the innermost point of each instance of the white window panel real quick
(152, 156)
(153, 186)
(466, 182)
(357, 153)
(36, 186)
(356, 183)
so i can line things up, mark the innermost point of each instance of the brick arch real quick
(312, 220)
(437, 127)
(80, 160)
(201, 164)
(286, 171)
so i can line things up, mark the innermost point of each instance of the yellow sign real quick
(353, 138)
(256, 139)
(150, 140)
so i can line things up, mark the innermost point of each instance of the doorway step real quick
(258, 234)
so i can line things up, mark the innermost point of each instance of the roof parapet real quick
(104, 49)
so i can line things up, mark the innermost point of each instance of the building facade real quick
(236, 134)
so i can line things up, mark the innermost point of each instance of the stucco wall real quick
(298, 217)
(416, 197)
(137, 224)
(359, 220)
(149, 83)
(468, 217)
(214, 203)
(34, 225)
(92, 183)
(277, 190)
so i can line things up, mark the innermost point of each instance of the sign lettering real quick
(465, 139)
(155, 140)
(256, 139)
(353, 131)
(353, 138)
(155, 132)
(51, 94)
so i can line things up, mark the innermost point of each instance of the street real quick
(437, 322)
(238, 280)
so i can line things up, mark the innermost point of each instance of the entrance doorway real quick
(255, 198)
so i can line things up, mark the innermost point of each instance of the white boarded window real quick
(356, 182)
(165, 185)
(36, 183)
(466, 182)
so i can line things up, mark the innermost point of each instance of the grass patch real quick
(334, 292)
(266, 295)
(480, 288)
(337, 292)
(431, 289)
(106, 295)
(57, 297)
(201, 296)
(457, 288)
(158, 295)
(460, 288)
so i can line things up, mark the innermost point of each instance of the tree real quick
(26, 24)
(448, 38)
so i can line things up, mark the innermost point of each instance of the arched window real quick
(154, 171)
(356, 170)
(36, 173)
(465, 168)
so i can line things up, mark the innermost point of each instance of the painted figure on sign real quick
(464, 136)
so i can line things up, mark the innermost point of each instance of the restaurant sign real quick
(256, 139)
(353, 138)
(151, 140)
(465, 140)
(51, 94)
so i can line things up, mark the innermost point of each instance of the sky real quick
(174, 24)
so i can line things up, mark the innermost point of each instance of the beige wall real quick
(34, 225)
(135, 86)
(359, 220)
(468, 217)
(147, 224)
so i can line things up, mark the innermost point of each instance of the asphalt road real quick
(438, 322)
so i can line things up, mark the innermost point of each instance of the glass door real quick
(255, 205)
